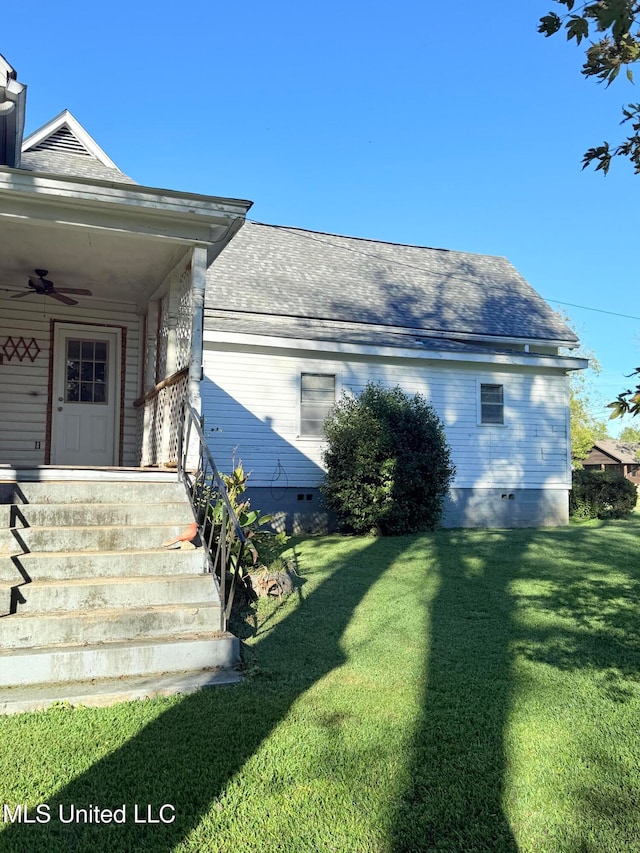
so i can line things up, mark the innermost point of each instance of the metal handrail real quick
(218, 523)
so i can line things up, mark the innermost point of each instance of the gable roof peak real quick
(65, 134)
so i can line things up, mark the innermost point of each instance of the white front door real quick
(85, 391)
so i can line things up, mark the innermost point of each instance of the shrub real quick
(388, 462)
(601, 494)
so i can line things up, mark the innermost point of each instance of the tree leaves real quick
(577, 28)
(618, 47)
(628, 402)
(549, 24)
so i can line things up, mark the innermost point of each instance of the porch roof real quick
(116, 238)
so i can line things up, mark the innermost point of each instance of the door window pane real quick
(86, 379)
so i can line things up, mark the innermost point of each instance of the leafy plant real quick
(601, 494)
(261, 545)
(388, 462)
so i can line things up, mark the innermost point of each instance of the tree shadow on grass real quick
(183, 757)
(455, 799)
(564, 599)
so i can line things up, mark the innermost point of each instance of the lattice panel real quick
(163, 413)
(175, 397)
(183, 325)
(163, 337)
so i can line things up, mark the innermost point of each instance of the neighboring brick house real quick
(618, 456)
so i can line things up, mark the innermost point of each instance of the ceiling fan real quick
(43, 286)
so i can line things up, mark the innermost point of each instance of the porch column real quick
(171, 364)
(149, 380)
(198, 287)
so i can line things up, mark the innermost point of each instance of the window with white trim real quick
(317, 396)
(491, 404)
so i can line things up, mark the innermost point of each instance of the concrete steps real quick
(91, 605)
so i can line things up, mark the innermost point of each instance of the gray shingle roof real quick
(299, 275)
(71, 165)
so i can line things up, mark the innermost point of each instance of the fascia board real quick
(524, 360)
(434, 334)
(118, 207)
(155, 198)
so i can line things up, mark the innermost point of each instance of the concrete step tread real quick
(128, 645)
(58, 527)
(53, 583)
(93, 504)
(100, 692)
(56, 555)
(108, 612)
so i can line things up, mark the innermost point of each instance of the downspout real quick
(12, 109)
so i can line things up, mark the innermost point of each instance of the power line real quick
(316, 236)
(597, 310)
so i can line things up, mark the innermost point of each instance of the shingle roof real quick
(624, 452)
(71, 165)
(63, 147)
(297, 275)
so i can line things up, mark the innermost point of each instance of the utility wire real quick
(597, 310)
(316, 237)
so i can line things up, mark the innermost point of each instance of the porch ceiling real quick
(117, 240)
(115, 265)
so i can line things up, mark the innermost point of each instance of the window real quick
(491, 404)
(86, 379)
(317, 396)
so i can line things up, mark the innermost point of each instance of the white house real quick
(105, 328)
(119, 303)
(101, 306)
(294, 318)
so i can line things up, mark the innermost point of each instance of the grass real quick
(457, 691)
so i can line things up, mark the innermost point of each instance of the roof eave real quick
(186, 217)
(520, 359)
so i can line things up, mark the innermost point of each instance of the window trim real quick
(501, 424)
(311, 372)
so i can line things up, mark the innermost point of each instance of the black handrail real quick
(218, 524)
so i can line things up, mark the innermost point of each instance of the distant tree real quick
(630, 435)
(616, 25)
(586, 427)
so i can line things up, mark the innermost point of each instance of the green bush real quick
(388, 462)
(601, 494)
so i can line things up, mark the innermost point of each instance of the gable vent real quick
(64, 141)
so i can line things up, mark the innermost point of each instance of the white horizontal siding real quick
(250, 401)
(24, 384)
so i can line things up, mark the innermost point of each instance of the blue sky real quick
(412, 122)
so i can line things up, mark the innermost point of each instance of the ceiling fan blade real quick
(55, 295)
(20, 295)
(78, 290)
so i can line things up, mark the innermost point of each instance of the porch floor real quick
(43, 473)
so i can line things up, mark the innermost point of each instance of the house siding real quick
(250, 399)
(24, 385)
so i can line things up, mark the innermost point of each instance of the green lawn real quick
(458, 691)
